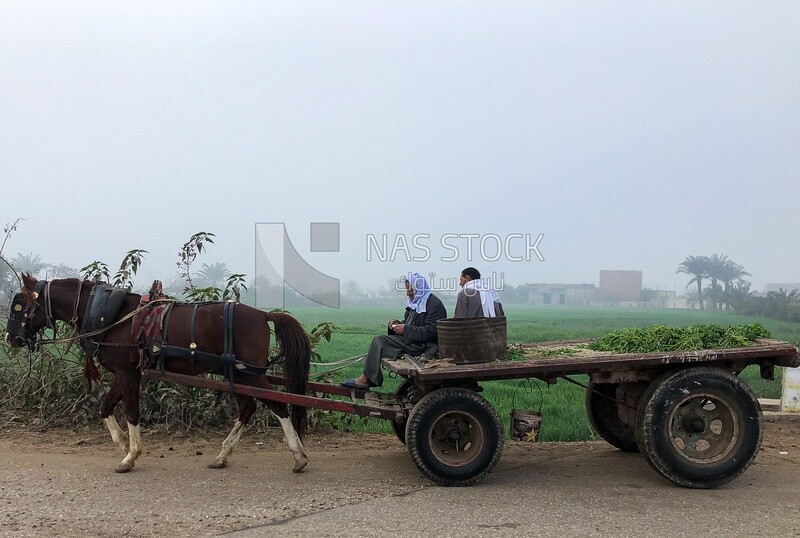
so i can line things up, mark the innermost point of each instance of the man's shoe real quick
(353, 384)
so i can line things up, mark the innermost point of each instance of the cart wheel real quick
(454, 436)
(601, 408)
(401, 393)
(700, 427)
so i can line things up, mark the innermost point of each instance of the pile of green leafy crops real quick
(659, 338)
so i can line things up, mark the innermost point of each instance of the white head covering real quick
(488, 296)
(421, 292)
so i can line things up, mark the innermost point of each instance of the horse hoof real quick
(124, 467)
(217, 465)
(299, 465)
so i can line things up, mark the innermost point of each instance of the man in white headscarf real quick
(476, 299)
(415, 335)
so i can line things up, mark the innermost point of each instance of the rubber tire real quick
(604, 417)
(420, 426)
(400, 427)
(653, 428)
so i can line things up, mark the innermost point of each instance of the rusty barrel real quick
(470, 340)
(500, 334)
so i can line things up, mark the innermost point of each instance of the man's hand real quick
(399, 328)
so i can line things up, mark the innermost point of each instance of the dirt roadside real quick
(62, 483)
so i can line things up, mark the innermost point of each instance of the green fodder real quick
(660, 338)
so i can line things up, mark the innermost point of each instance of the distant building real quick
(617, 286)
(561, 294)
(659, 299)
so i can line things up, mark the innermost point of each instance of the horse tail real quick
(295, 347)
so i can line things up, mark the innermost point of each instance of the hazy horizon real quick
(630, 135)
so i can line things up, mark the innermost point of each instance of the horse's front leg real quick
(107, 413)
(129, 385)
(247, 407)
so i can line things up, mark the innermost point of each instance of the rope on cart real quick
(339, 365)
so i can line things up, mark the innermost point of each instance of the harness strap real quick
(98, 331)
(228, 358)
(48, 308)
(74, 320)
(161, 352)
(43, 287)
(227, 321)
(193, 339)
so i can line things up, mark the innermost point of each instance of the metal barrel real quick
(470, 340)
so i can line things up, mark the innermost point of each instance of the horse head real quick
(26, 316)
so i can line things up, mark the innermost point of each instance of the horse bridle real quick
(23, 310)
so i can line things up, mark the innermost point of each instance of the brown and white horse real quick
(41, 303)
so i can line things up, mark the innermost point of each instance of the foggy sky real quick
(630, 134)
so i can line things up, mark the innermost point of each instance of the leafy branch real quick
(128, 268)
(97, 271)
(188, 254)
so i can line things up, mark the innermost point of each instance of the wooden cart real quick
(688, 413)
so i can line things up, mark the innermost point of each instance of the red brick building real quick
(620, 286)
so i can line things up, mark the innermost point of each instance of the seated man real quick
(476, 299)
(415, 335)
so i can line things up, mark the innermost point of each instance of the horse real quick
(191, 325)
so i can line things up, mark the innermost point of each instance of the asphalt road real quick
(63, 484)
(578, 490)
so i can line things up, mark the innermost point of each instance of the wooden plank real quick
(767, 351)
(274, 395)
(325, 388)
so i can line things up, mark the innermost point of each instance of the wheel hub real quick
(696, 425)
(703, 428)
(454, 436)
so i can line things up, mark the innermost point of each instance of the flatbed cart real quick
(687, 412)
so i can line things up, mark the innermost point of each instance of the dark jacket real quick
(468, 305)
(421, 328)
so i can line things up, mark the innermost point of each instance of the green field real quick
(562, 405)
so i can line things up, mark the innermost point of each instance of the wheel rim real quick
(704, 427)
(457, 438)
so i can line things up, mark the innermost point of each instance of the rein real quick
(104, 329)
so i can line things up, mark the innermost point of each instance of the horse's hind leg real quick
(111, 400)
(247, 407)
(292, 439)
(281, 411)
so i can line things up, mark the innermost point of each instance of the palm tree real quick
(715, 271)
(28, 263)
(727, 273)
(779, 302)
(738, 296)
(61, 271)
(697, 266)
(214, 275)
